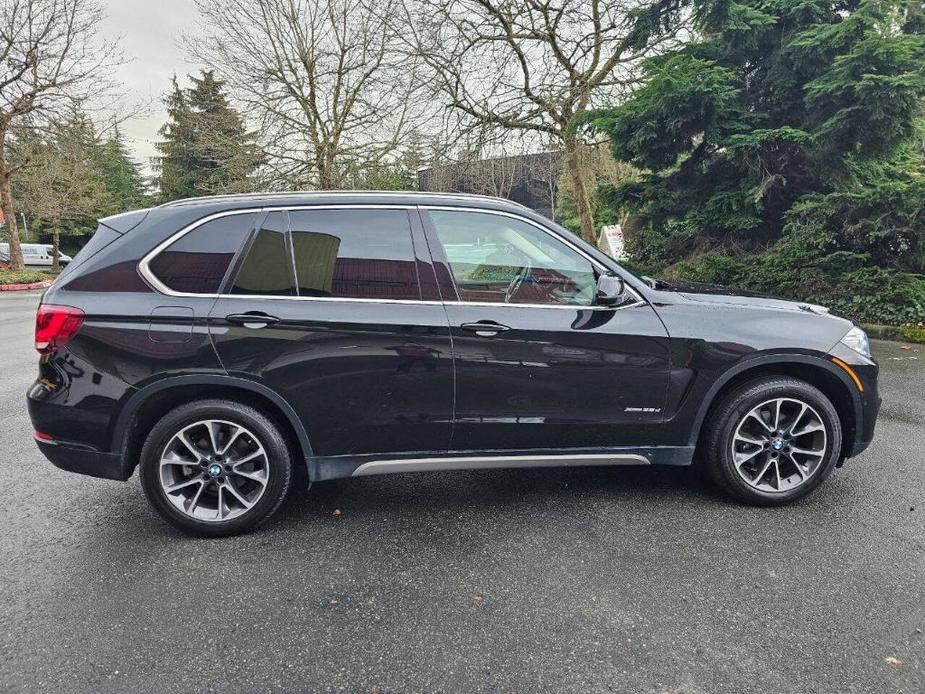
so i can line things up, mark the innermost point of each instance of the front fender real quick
(760, 361)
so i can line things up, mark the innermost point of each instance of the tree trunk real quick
(582, 198)
(55, 252)
(9, 218)
(324, 162)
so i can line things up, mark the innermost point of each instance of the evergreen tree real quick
(178, 165)
(121, 174)
(782, 150)
(226, 150)
(206, 148)
(62, 187)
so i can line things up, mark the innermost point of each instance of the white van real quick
(35, 254)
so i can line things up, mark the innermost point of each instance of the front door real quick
(538, 364)
(342, 332)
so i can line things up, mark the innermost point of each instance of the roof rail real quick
(327, 193)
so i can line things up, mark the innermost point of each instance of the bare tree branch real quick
(51, 59)
(530, 65)
(322, 79)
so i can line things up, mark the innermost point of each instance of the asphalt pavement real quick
(572, 580)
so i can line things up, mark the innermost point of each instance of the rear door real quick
(538, 364)
(326, 307)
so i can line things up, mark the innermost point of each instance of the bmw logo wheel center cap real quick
(215, 469)
(777, 444)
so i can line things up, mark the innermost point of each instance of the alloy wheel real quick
(779, 445)
(214, 470)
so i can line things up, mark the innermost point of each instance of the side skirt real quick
(334, 467)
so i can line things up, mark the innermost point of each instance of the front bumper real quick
(864, 385)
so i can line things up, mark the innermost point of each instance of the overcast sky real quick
(149, 31)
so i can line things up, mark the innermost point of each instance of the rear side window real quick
(267, 267)
(197, 262)
(357, 254)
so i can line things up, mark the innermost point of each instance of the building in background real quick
(530, 179)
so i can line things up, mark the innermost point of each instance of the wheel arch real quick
(148, 404)
(834, 383)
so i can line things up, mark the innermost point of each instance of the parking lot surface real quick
(594, 579)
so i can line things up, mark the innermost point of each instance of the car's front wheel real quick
(215, 467)
(772, 440)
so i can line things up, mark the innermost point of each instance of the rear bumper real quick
(84, 460)
(74, 424)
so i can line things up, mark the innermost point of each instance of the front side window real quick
(197, 261)
(357, 254)
(500, 259)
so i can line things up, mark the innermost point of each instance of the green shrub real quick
(22, 276)
(712, 269)
(865, 294)
(914, 334)
(781, 151)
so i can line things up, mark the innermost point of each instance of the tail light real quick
(55, 326)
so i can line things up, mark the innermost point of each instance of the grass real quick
(907, 333)
(23, 276)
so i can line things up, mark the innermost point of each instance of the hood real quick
(718, 294)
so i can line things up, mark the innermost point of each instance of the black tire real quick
(734, 407)
(278, 466)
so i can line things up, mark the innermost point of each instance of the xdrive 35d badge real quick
(220, 344)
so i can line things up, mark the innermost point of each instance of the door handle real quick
(485, 328)
(253, 319)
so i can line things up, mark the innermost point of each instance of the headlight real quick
(857, 340)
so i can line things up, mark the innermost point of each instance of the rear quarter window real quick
(197, 262)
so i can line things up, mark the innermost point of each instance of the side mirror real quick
(611, 290)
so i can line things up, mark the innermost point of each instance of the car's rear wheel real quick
(773, 440)
(215, 467)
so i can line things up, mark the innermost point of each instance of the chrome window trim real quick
(151, 279)
(502, 213)
(580, 251)
(148, 276)
(144, 264)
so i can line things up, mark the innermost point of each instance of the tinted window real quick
(196, 262)
(267, 269)
(364, 254)
(500, 259)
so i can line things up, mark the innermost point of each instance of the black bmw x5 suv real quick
(220, 343)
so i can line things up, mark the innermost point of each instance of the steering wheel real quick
(516, 282)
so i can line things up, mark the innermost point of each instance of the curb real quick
(23, 287)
